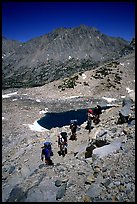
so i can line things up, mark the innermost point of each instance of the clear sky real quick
(26, 20)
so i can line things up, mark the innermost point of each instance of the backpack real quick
(60, 140)
(47, 145)
(64, 136)
(73, 126)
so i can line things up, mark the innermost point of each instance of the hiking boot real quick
(51, 164)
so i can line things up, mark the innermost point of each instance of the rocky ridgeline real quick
(57, 55)
(99, 166)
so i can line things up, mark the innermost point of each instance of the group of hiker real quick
(62, 137)
(62, 144)
(93, 115)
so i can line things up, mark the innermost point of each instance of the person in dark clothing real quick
(89, 120)
(73, 127)
(47, 153)
(65, 143)
(62, 144)
(64, 136)
(97, 112)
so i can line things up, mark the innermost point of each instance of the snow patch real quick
(109, 99)
(9, 95)
(44, 111)
(3, 118)
(38, 100)
(123, 96)
(71, 97)
(122, 64)
(84, 76)
(129, 90)
(110, 104)
(15, 99)
(70, 57)
(36, 127)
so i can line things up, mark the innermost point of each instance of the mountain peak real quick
(65, 50)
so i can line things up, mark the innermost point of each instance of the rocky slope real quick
(57, 55)
(73, 178)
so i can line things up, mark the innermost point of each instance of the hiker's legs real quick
(65, 148)
(66, 151)
(75, 138)
(72, 137)
(89, 125)
(96, 119)
(62, 150)
(48, 161)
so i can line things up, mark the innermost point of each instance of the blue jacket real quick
(46, 152)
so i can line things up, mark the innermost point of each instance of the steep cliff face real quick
(60, 53)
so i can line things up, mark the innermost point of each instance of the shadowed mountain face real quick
(57, 55)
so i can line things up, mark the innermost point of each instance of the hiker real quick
(73, 127)
(97, 111)
(62, 143)
(64, 136)
(125, 111)
(89, 120)
(47, 153)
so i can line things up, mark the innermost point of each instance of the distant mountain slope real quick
(56, 55)
(9, 46)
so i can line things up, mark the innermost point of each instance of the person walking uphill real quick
(47, 153)
(97, 112)
(73, 127)
(89, 120)
(62, 143)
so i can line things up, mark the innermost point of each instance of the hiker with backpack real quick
(125, 111)
(90, 116)
(73, 127)
(97, 111)
(47, 153)
(62, 143)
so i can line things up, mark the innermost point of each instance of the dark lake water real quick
(53, 120)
